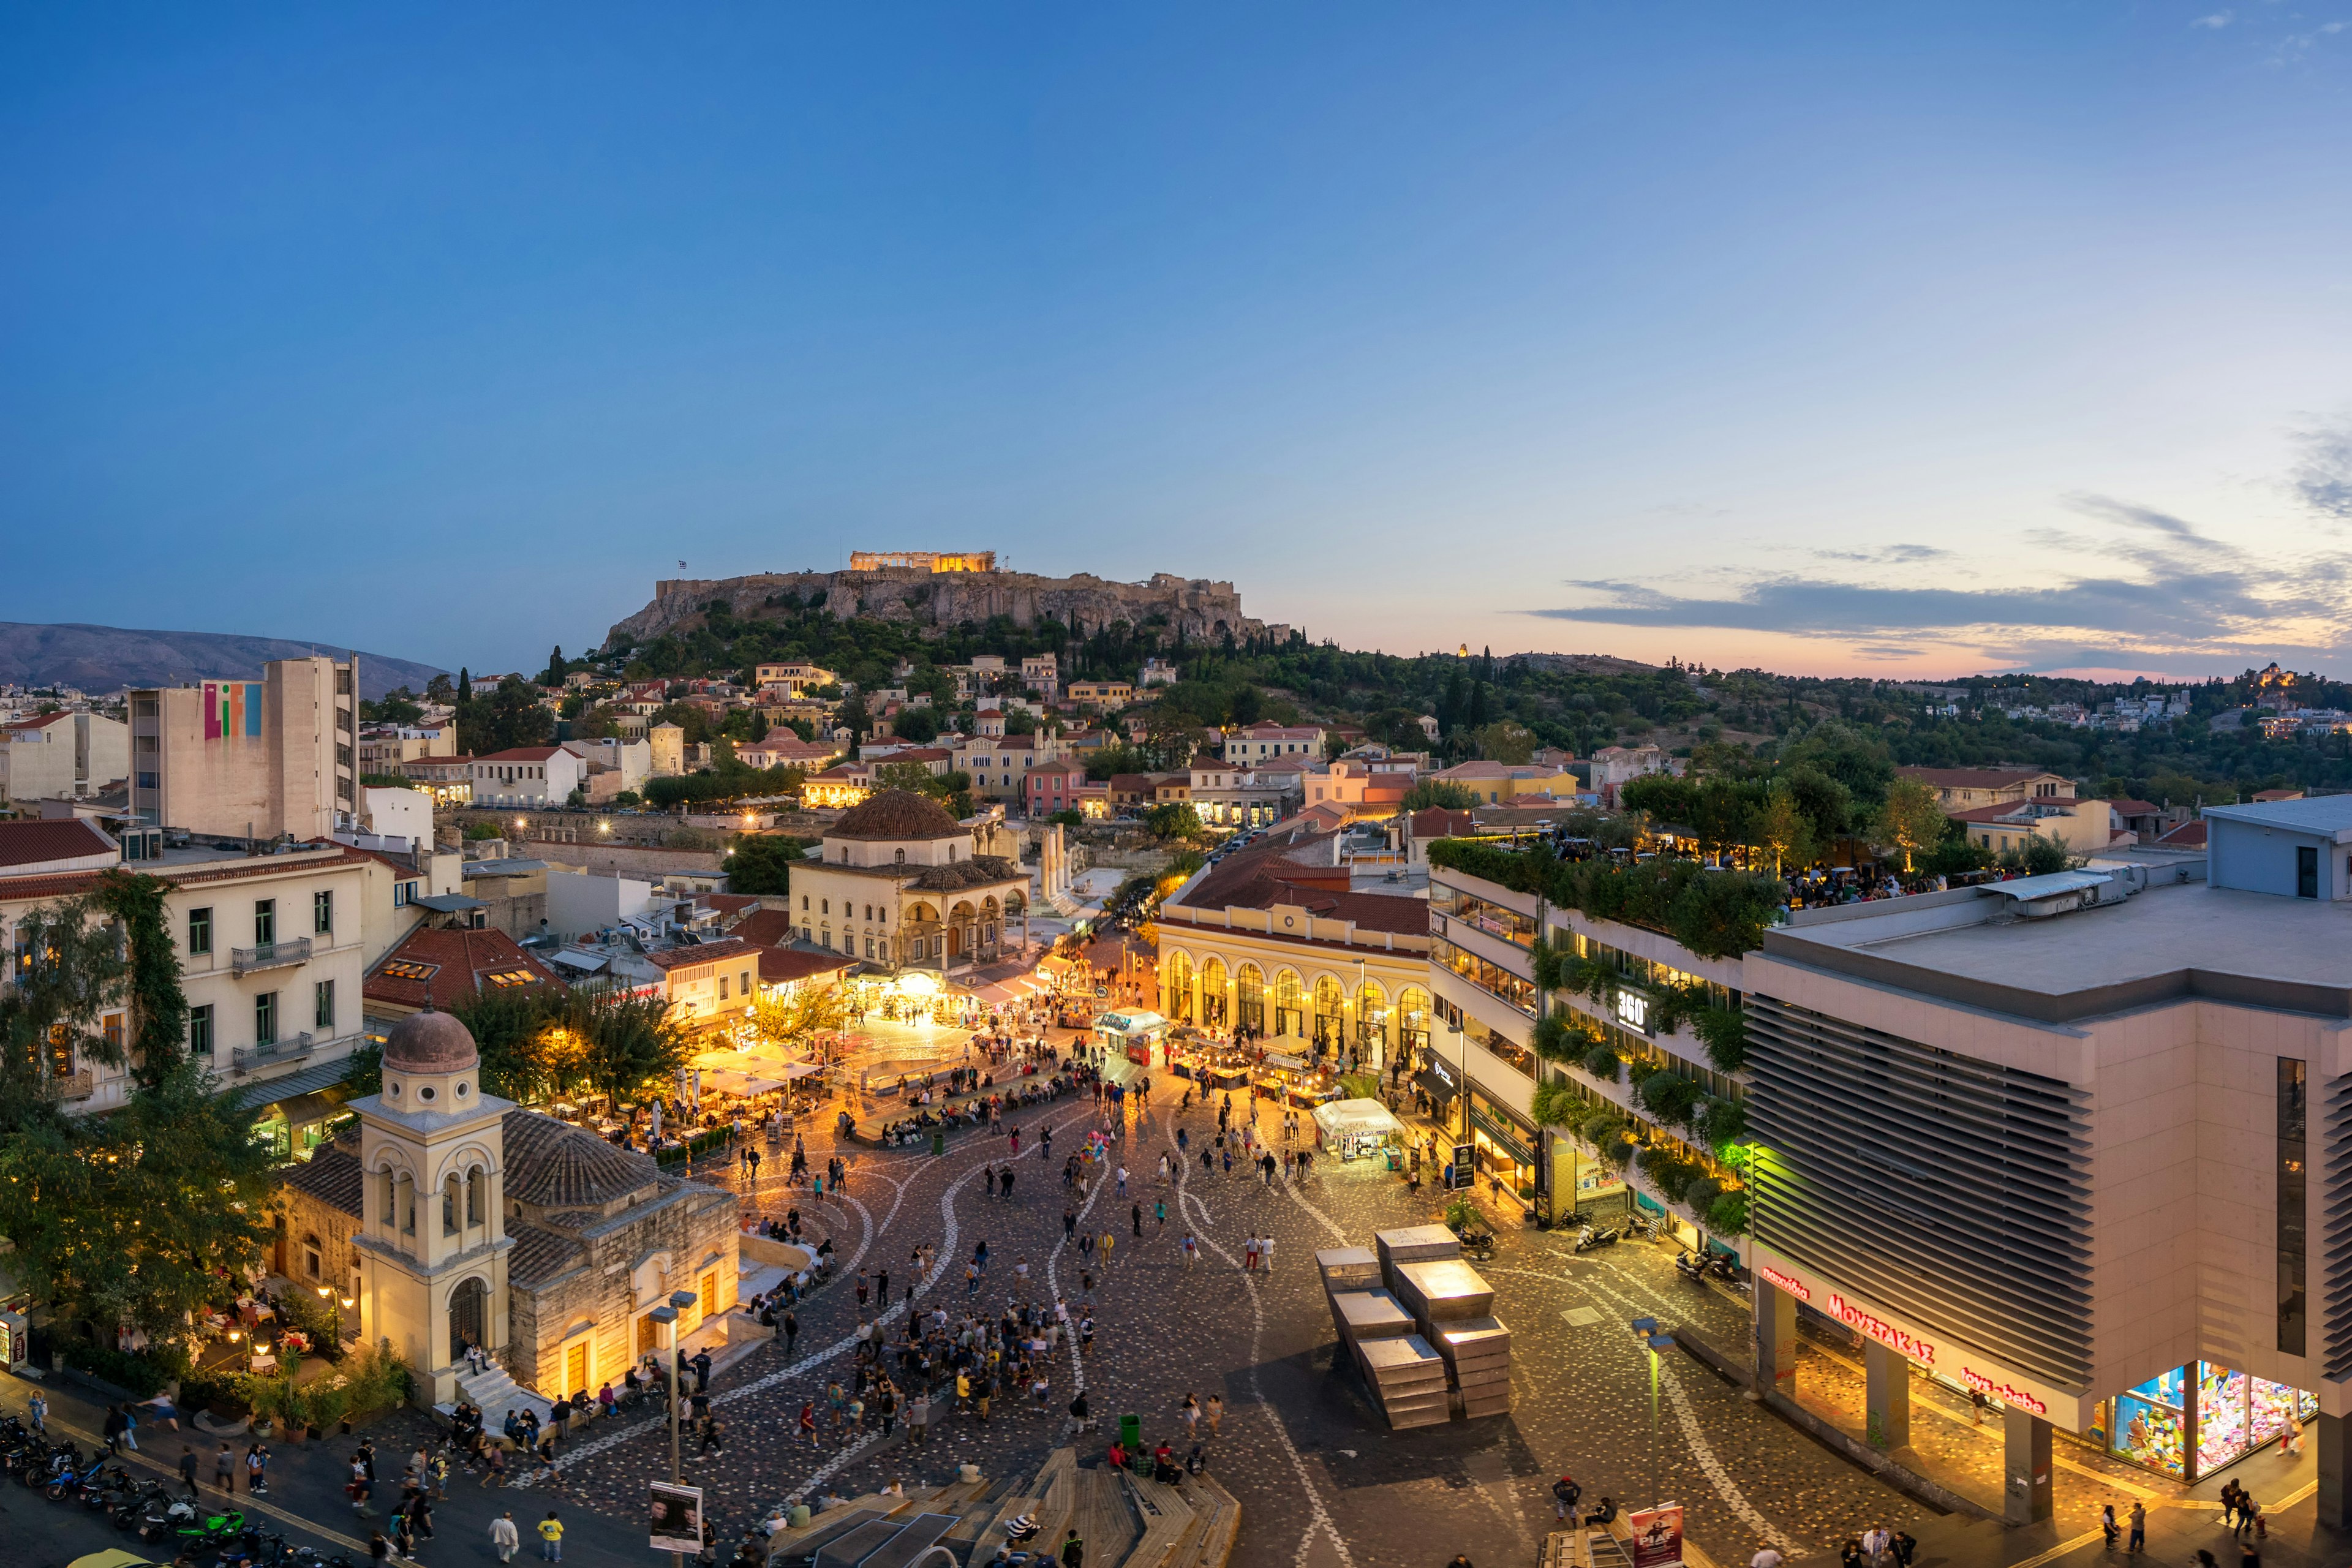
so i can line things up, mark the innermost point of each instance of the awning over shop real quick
(1436, 1080)
(260, 1097)
(1355, 1118)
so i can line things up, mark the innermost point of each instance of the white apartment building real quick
(1259, 742)
(271, 955)
(62, 756)
(632, 760)
(528, 775)
(249, 759)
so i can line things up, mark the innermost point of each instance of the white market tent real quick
(739, 1083)
(1355, 1118)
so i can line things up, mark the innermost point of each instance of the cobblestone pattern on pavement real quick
(1321, 1480)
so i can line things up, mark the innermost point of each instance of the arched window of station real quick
(1289, 1004)
(1214, 980)
(1249, 998)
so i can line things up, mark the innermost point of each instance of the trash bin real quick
(1130, 1432)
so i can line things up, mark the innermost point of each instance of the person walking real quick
(1265, 1252)
(1874, 1543)
(112, 1430)
(2108, 1525)
(1110, 1240)
(224, 1468)
(1216, 1412)
(1249, 1256)
(188, 1468)
(494, 1464)
(2138, 1542)
(40, 1414)
(1074, 1551)
(1191, 1250)
(551, 1537)
(504, 1538)
(1191, 1413)
(792, 1327)
(1136, 1215)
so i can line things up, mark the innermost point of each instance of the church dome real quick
(895, 814)
(429, 1042)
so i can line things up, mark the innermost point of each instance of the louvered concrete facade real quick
(2058, 1157)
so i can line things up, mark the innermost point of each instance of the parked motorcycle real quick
(1689, 1266)
(133, 1506)
(1588, 1239)
(67, 1481)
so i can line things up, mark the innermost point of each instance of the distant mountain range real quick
(105, 658)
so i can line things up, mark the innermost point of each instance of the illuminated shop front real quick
(2213, 1414)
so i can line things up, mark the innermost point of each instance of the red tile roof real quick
(521, 754)
(2188, 835)
(765, 927)
(782, 966)
(2135, 808)
(436, 964)
(40, 841)
(688, 957)
(728, 903)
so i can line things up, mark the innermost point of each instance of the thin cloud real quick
(1892, 555)
(2168, 590)
(2322, 481)
(2216, 21)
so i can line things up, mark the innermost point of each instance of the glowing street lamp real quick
(1654, 1340)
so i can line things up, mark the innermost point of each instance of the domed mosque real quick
(547, 1247)
(900, 885)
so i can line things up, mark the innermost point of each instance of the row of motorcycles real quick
(211, 1538)
(1697, 1269)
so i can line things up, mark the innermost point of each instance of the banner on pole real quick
(1657, 1535)
(677, 1517)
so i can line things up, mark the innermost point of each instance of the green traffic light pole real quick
(1654, 1340)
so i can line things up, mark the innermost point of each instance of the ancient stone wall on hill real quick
(1203, 610)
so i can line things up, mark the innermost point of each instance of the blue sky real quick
(1851, 340)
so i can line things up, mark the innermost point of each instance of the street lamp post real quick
(666, 1318)
(1654, 1340)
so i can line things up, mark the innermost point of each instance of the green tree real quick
(1784, 832)
(1506, 742)
(135, 1216)
(1910, 822)
(761, 863)
(917, 725)
(510, 717)
(556, 668)
(1174, 822)
(1445, 793)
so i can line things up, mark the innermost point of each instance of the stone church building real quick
(455, 1217)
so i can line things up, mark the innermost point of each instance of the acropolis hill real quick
(948, 589)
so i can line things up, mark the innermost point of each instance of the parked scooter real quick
(1691, 1267)
(1588, 1239)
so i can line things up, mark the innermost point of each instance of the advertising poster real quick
(677, 1517)
(1657, 1535)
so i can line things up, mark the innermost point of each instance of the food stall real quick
(1357, 1129)
(1286, 1072)
(1212, 1063)
(1131, 1034)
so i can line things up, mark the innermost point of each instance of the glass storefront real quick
(2229, 1414)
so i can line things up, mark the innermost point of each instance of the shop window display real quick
(2221, 1417)
(2273, 1408)
(2152, 1425)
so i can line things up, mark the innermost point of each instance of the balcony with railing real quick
(287, 1049)
(80, 1084)
(270, 955)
